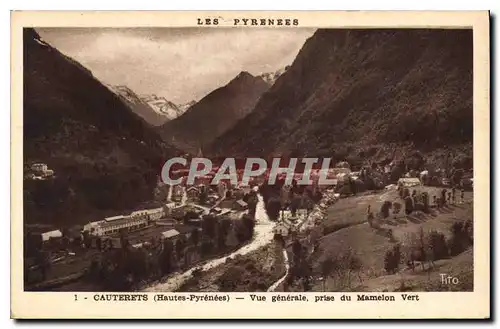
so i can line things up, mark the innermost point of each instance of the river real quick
(263, 235)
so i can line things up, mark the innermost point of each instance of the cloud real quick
(180, 64)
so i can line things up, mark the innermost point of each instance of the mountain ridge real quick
(215, 113)
(105, 158)
(350, 90)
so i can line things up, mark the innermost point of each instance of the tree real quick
(86, 239)
(416, 161)
(397, 172)
(223, 229)
(294, 205)
(195, 237)
(190, 214)
(437, 244)
(392, 258)
(396, 208)
(203, 196)
(249, 224)
(355, 265)
(99, 243)
(166, 263)
(42, 261)
(273, 207)
(408, 205)
(425, 201)
(252, 201)
(124, 243)
(352, 185)
(384, 209)
(206, 247)
(180, 247)
(327, 267)
(209, 226)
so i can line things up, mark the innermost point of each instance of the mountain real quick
(163, 107)
(362, 93)
(215, 113)
(184, 107)
(105, 158)
(271, 77)
(140, 107)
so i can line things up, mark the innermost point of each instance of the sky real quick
(180, 64)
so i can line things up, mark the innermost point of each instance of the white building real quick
(170, 234)
(156, 213)
(282, 228)
(51, 235)
(116, 224)
(39, 167)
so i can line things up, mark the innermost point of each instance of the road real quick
(263, 234)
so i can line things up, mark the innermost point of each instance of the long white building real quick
(134, 221)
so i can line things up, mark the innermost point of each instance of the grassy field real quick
(346, 220)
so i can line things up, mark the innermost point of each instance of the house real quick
(41, 170)
(55, 234)
(212, 199)
(239, 193)
(193, 192)
(240, 205)
(282, 228)
(39, 167)
(139, 214)
(170, 234)
(216, 210)
(407, 182)
(92, 226)
(167, 208)
(301, 213)
(177, 193)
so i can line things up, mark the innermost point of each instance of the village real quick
(59, 255)
(65, 255)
